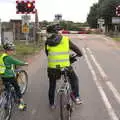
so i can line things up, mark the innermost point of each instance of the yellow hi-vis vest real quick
(58, 56)
(2, 65)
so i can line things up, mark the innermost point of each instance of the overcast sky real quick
(73, 10)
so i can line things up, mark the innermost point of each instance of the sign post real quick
(0, 33)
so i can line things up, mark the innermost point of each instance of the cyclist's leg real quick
(53, 74)
(74, 82)
(21, 106)
(16, 86)
(5, 83)
(52, 86)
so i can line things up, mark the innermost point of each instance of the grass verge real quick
(116, 39)
(23, 50)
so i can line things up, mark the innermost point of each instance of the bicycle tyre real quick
(24, 84)
(65, 113)
(6, 109)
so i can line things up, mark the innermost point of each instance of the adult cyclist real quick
(57, 48)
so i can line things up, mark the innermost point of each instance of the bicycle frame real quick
(65, 90)
(66, 85)
(6, 102)
(10, 94)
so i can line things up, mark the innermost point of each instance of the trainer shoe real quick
(52, 107)
(78, 101)
(22, 106)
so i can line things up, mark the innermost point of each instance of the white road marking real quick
(33, 111)
(105, 77)
(108, 106)
(106, 39)
(97, 64)
(110, 41)
(81, 36)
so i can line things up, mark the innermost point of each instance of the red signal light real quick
(29, 5)
(118, 10)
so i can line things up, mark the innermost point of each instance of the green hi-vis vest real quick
(2, 65)
(58, 56)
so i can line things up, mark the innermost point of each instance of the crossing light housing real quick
(25, 7)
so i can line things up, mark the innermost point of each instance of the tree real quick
(69, 25)
(93, 16)
(105, 9)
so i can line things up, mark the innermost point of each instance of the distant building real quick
(58, 18)
(16, 28)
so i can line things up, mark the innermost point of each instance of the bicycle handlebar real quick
(73, 58)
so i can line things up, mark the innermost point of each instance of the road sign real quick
(101, 21)
(116, 20)
(26, 18)
(25, 28)
(25, 23)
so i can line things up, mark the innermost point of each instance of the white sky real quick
(73, 10)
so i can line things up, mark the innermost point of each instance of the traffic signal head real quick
(118, 10)
(29, 5)
(25, 7)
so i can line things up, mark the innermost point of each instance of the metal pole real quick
(26, 35)
(0, 32)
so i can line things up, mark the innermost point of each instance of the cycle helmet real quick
(9, 46)
(53, 28)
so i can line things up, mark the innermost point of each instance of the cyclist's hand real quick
(72, 58)
(25, 63)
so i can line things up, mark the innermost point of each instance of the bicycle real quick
(64, 93)
(8, 96)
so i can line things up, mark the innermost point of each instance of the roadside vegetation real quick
(105, 9)
(117, 39)
(23, 50)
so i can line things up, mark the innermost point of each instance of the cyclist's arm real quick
(12, 60)
(74, 48)
(46, 51)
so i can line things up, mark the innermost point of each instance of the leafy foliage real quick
(105, 9)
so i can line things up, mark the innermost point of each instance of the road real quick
(99, 81)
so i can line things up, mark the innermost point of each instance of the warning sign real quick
(25, 28)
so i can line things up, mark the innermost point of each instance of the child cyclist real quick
(7, 73)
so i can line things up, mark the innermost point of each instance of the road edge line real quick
(108, 106)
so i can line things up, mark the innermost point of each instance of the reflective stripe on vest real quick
(64, 60)
(2, 65)
(59, 55)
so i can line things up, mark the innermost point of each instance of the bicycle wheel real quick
(5, 108)
(65, 107)
(22, 79)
